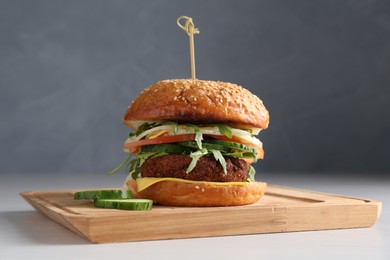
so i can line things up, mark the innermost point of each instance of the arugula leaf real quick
(120, 165)
(225, 130)
(135, 173)
(195, 157)
(144, 127)
(133, 166)
(219, 157)
(139, 161)
(143, 156)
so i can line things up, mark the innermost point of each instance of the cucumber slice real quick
(130, 204)
(166, 148)
(232, 145)
(206, 145)
(103, 194)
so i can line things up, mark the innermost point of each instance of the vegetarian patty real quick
(206, 169)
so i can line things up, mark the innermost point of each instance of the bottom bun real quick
(171, 193)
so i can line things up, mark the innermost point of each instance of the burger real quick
(194, 142)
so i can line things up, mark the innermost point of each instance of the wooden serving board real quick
(282, 209)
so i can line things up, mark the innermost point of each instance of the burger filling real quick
(217, 152)
(206, 169)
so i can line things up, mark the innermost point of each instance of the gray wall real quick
(69, 69)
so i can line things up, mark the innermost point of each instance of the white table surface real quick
(28, 234)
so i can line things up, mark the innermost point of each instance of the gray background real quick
(69, 69)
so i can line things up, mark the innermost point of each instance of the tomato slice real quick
(164, 139)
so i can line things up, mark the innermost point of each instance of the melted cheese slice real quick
(146, 182)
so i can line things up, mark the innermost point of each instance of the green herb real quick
(199, 138)
(126, 161)
(176, 128)
(191, 128)
(135, 164)
(135, 173)
(175, 125)
(225, 130)
(144, 127)
(132, 166)
(219, 157)
(248, 130)
(251, 173)
(198, 133)
(195, 157)
(142, 157)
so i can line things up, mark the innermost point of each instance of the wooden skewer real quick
(190, 29)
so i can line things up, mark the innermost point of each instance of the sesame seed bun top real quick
(198, 102)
